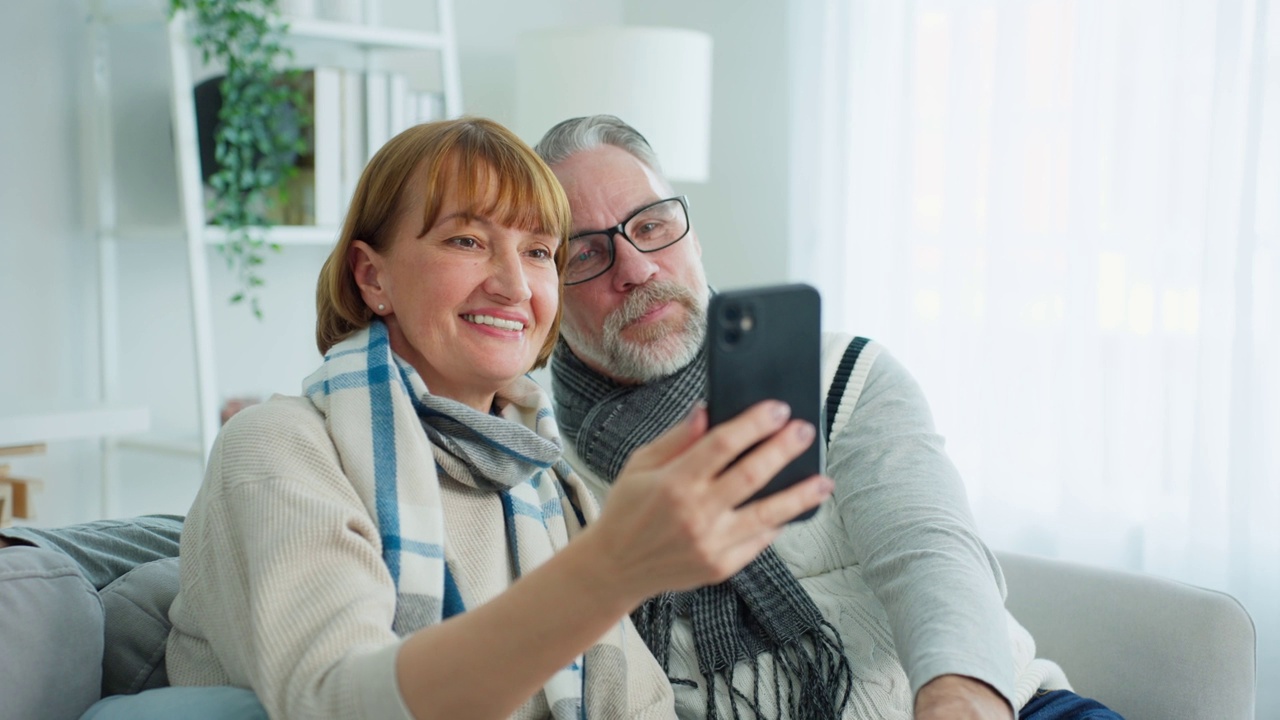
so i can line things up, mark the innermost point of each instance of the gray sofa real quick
(84, 613)
(66, 644)
(1152, 649)
(1147, 647)
(51, 627)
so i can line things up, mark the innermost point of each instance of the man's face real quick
(645, 317)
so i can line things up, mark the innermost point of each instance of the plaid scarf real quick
(762, 610)
(395, 440)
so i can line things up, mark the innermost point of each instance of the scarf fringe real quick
(809, 682)
(812, 678)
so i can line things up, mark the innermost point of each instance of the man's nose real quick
(631, 267)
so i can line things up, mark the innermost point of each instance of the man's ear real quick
(367, 269)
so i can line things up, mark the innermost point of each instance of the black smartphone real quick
(766, 343)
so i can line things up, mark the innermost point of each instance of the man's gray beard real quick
(648, 358)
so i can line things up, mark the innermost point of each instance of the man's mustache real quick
(644, 298)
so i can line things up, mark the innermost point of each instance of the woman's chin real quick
(486, 378)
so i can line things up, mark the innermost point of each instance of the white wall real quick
(741, 212)
(487, 33)
(45, 251)
(48, 257)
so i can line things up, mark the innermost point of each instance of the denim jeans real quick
(1065, 705)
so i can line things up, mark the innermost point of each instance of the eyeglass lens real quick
(653, 228)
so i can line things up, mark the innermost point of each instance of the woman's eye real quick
(540, 253)
(464, 242)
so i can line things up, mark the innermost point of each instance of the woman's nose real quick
(507, 279)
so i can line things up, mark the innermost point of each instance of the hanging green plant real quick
(259, 131)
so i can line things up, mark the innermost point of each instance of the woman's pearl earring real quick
(381, 307)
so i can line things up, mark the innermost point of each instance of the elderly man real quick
(886, 604)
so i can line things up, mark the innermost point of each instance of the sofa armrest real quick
(1147, 647)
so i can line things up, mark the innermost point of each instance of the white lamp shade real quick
(658, 80)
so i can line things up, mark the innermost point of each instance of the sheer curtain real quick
(1065, 218)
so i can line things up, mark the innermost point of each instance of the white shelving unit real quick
(368, 43)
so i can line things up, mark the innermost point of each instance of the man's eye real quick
(583, 255)
(648, 228)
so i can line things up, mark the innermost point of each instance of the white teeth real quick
(495, 322)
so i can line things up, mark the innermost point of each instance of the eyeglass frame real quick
(619, 229)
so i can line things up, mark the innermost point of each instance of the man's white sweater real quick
(892, 560)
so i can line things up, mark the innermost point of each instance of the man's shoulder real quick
(847, 357)
(837, 343)
(860, 353)
(859, 374)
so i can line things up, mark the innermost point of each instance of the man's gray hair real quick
(576, 135)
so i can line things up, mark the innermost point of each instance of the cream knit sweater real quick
(284, 590)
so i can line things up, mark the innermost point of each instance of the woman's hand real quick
(673, 521)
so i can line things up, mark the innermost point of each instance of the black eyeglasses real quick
(651, 228)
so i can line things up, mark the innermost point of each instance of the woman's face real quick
(469, 304)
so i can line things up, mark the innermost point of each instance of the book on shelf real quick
(397, 101)
(354, 151)
(427, 107)
(326, 145)
(392, 106)
(377, 106)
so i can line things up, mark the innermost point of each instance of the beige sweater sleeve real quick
(283, 587)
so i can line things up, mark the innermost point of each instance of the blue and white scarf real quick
(396, 440)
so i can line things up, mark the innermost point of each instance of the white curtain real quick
(1064, 216)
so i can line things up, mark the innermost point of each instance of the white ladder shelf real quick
(369, 40)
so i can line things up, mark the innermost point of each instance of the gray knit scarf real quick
(762, 609)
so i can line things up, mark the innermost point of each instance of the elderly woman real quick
(403, 540)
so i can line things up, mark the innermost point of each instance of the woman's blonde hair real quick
(472, 155)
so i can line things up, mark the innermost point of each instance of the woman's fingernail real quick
(780, 411)
(804, 431)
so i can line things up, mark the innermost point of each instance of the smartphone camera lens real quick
(732, 313)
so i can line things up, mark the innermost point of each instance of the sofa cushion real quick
(136, 605)
(51, 635)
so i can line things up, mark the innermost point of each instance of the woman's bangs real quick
(511, 189)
